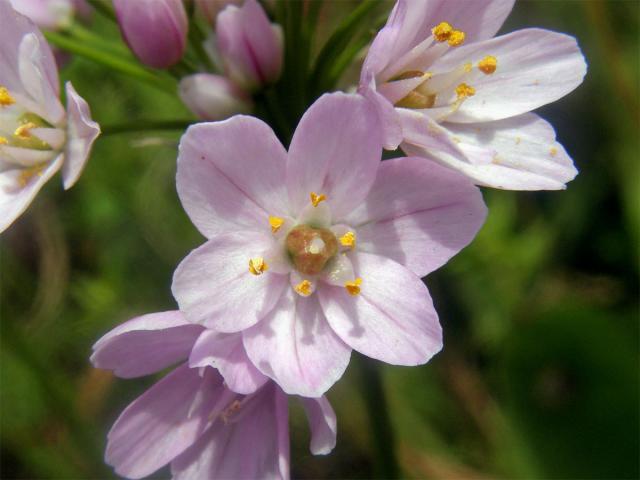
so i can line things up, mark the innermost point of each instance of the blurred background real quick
(539, 374)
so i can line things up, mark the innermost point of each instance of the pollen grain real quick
(304, 288)
(316, 199)
(257, 266)
(488, 64)
(353, 288)
(275, 223)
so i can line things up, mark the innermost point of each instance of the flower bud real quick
(249, 45)
(155, 30)
(46, 14)
(213, 97)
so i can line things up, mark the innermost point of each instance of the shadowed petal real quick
(437, 215)
(162, 423)
(295, 346)
(324, 427)
(392, 319)
(145, 344)
(214, 287)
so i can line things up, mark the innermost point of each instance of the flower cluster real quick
(315, 248)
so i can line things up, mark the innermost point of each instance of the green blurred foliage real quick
(539, 375)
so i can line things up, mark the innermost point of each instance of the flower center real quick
(310, 248)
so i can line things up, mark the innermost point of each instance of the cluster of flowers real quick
(310, 252)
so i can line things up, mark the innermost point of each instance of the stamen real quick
(3, 141)
(456, 38)
(463, 91)
(442, 31)
(353, 288)
(316, 199)
(257, 266)
(348, 240)
(488, 64)
(23, 130)
(553, 151)
(407, 75)
(276, 223)
(304, 288)
(5, 98)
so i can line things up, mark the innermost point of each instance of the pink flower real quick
(191, 418)
(155, 30)
(250, 46)
(462, 98)
(37, 136)
(319, 250)
(213, 97)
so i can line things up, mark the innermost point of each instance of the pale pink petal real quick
(391, 128)
(535, 67)
(225, 352)
(382, 49)
(145, 344)
(162, 423)
(254, 445)
(296, 347)
(479, 19)
(46, 14)
(323, 423)
(213, 97)
(436, 215)
(392, 319)
(231, 175)
(82, 131)
(335, 151)
(16, 197)
(214, 287)
(523, 154)
(266, 42)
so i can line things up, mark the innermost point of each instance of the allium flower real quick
(321, 250)
(155, 30)
(213, 97)
(191, 418)
(37, 136)
(251, 48)
(462, 98)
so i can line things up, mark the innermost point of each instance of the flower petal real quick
(16, 197)
(522, 154)
(213, 285)
(437, 215)
(255, 446)
(535, 67)
(145, 344)
(295, 346)
(323, 423)
(82, 132)
(391, 128)
(162, 423)
(392, 319)
(213, 97)
(231, 175)
(225, 352)
(335, 151)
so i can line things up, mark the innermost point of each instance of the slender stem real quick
(146, 126)
(378, 411)
(110, 60)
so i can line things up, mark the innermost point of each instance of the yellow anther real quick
(3, 141)
(467, 67)
(23, 130)
(456, 38)
(276, 223)
(258, 266)
(28, 173)
(463, 91)
(304, 288)
(442, 31)
(353, 288)
(553, 151)
(5, 97)
(316, 199)
(348, 240)
(488, 64)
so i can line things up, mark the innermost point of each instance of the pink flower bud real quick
(213, 97)
(250, 46)
(155, 30)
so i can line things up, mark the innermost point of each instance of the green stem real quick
(146, 126)
(381, 431)
(110, 60)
